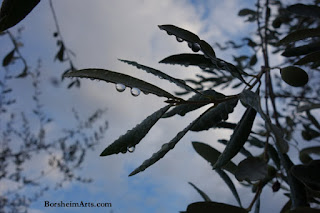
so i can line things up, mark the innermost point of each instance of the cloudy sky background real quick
(100, 32)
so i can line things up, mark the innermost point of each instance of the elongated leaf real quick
(185, 108)
(164, 149)
(215, 115)
(252, 169)
(308, 107)
(119, 78)
(302, 50)
(312, 57)
(299, 35)
(246, 11)
(211, 155)
(162, 75)
(242, 150)
(308, 174)
(134, 136)
(305, 10)
(8, 58)
(230, 184)
(305, 153)
(203, 195)
(207, 49)
(187, 59)
(12, 12)
(214, 207)
(202, 62)
(180, 33)
(253, 100)
(238, 138)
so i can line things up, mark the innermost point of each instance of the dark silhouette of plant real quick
(292, 30)
(280, 28)
(25, 134)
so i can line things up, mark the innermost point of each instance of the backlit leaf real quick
(252, 169)
(308, 174)
(211, 155)
(238, 138)
(203, 195)
(302, 50)
(185, 108)
(299, 35)
(119, 78)
(305, 153)
(305, 10)
(230, 184)
(213, 207)
(312, 57)
(246, 11)
(162, 75)
(12, 12)
(252, 99)
(134, 136)
(180, 33)
(215, 115)
(8, 58)
(164, 149)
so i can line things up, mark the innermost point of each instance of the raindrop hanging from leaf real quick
(120, 87)
(135, 92)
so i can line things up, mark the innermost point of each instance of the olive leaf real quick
(12, 12)
(230, 184)
(252, 99)
(8, 58)
(180, 33)
(211, 155)
(164, 149)
(302, 50)
(312, 57)
(203, 195)
(134, 136)
(215, 207)
(187, 59)
(183, 109)
(162, 75)
(308, 174)
(305, 10)
(238, 138)
(215, 115)
(299, 35)
(119, 78)
(243, 151)
(304, 154)
(251, 169)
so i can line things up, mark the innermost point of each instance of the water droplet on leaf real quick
(179, 39)
(131, 149)
(135, 92)
(195, 47)
(120, 87)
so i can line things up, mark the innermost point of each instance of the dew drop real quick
(131, 149)
(179, 39)
(190, 44)
(120, 87)
(195, 47)
(135, 91)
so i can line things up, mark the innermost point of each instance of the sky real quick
(100, 32)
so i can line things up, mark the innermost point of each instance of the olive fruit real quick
(294, 76)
